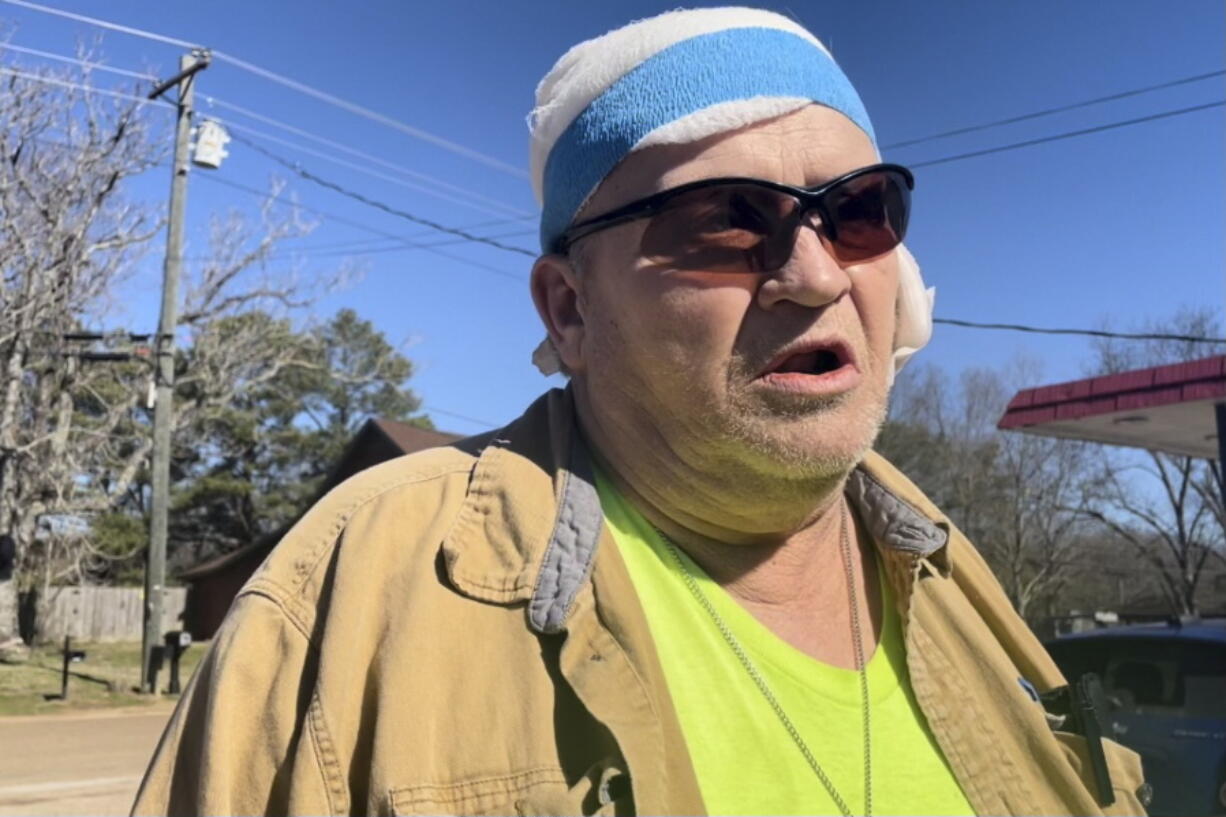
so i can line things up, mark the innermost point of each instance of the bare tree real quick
(1172, 533)
(224, 353)
(1016, 496)
(66, 235)
(75, 437)
(238, 336)
(1040, 526)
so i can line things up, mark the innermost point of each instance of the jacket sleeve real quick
(246, 736)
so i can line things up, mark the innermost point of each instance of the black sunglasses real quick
(750, 225)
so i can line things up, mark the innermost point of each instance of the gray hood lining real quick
(572, 547)
(891, 520)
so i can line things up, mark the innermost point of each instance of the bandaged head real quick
(677, 78)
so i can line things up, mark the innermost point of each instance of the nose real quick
(812, 277)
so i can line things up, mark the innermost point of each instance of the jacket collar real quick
(531, 520)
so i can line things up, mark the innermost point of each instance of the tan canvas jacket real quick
(454, 632)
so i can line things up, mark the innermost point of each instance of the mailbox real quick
(177, 642)
(71, 656)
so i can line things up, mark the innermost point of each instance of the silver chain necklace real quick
(764, 688)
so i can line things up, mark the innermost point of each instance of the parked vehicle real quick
(1165, 685)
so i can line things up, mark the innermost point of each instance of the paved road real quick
(75, 764)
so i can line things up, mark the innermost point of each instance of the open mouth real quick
(814, 361)
(818, 362)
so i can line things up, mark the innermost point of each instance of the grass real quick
(108, 677)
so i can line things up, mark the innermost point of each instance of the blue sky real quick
(1125, 225)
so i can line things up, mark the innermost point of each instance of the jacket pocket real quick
(499, 794)
(603, 791)
(1124, 766)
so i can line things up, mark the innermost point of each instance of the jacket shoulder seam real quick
(288, 596)
(274, 593)
(337, 520)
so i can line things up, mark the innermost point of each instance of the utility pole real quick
(164, 362)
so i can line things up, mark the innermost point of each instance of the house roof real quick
(363, 451)
(210, 566)
(409, 438)
(1162, 408)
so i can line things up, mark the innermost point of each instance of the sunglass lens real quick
(731, 228)
(868, 215)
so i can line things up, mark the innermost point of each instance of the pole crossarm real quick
(203, 59)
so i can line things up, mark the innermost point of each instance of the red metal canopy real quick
(1164, 408)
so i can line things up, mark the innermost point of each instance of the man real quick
(683, 584)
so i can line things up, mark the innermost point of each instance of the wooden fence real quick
(105, 613)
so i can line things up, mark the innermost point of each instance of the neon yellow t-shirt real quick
(745, 760)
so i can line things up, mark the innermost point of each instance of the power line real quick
(335, 245)
(362, 247)
(468, 199)
(446, 242)
(387, 208)
(358, 245)
(141, 101)
(1049, 111)
(1068, 135)
(477, 264)
(374, 116)
(1097, 333)
(300, 87)
(93, 66)
(214, 179)
(291, 253)
(378, 160)
(94, 21)
(444, 412)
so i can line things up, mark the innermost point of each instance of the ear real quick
(555, 291)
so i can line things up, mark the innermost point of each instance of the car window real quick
(1143, 682)
(1170, 676)
(1203, 678)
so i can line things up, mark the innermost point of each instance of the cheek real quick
(695, 318)
(665, 329)
(875, 294)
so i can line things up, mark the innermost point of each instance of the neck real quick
(783, 562)
(707, 492)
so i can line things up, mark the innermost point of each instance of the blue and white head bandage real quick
(677, 78)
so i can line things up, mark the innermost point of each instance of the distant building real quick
(213, 584)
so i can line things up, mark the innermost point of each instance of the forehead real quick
(806, 147)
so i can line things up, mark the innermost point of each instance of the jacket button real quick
(1145, 793)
